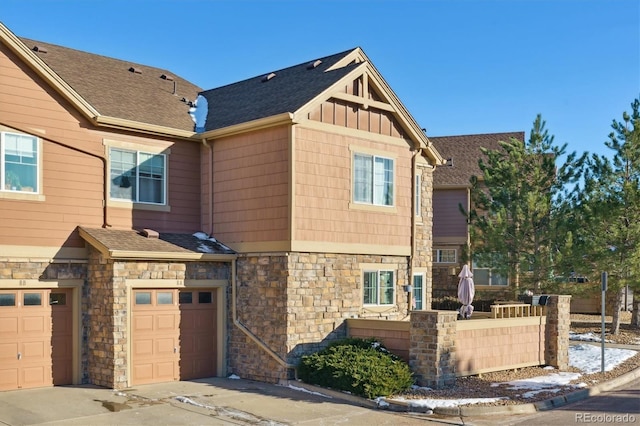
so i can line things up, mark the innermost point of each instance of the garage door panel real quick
(8, 377)
(165, 346)
(35, 324)
(143, 348)
(165, 371)
(8, 326)
(36, 351)
(36, 376)
(142, 323)
(166, 322)
(8, 352)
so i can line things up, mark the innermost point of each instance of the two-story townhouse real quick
(451, 191)
(314, 180)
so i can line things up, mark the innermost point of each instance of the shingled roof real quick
(464, 152)
(121, 89)
(116, 243)
(287, 90)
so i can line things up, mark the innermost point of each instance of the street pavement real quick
(223, 401)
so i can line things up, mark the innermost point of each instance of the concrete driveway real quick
(215, 401)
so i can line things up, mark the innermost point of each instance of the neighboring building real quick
(315, 181)
(451, 190)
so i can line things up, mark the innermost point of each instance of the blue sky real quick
(459, 66)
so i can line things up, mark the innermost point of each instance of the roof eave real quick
(131, 125)
(261, 123)
(145, 255)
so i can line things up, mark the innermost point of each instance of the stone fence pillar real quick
(558, 315)
(432, 347)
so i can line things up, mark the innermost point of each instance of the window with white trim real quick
(372, 180)
(484, 274)
(418, 292)
(444, 256)
(137, 176)
(418, 196)
(379, 287)
(19, 162)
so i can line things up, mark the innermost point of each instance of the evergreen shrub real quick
(363, 367)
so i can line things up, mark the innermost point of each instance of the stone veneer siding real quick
(558, 312)
(296, 303)
(423, 257)
(105, 310)
(432, 348)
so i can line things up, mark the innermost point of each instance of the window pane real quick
(32, 299)
(164, 298)
(204, 297)
(370, 284)
(123, 174)
(481, 276)
(383, 182)
(7, 299)
(143, 298)
(185, 297)
(151, 171)
(417, 291)
(498, 279)
(21, 162)
(59, 299)
(362, 178)
(387, 286)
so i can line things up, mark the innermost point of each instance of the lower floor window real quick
(487, 275)
(379, 287)
(418, 292)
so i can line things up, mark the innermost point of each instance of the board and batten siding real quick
(72, 182)
(251, 184)
(448, 221)
(323, 207)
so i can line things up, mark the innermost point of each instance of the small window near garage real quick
(143, 298)
(59, 299)
(204, 297)
(7, 300)
(379, 287)
(164, 298)
(32, 299)
(185, 298)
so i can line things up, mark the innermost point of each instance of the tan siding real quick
(323, 193)
(447, 219)
(251, 187)
(72, 182)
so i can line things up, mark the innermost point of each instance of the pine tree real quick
(610, 208)
(513, 226)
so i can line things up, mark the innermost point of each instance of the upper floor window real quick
(18, 162)
(138, 176)
(372, 180)
(444, 255)
(379, 287)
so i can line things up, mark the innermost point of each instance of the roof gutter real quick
(153, 129)
(261, 123)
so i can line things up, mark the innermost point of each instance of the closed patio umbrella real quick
(466, 291)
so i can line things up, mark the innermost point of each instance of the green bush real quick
(361, 366)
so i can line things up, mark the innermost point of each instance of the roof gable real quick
(285, 91)
(462, 153)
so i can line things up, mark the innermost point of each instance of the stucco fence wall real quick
(440, 348)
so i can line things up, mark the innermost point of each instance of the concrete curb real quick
(470, 410)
